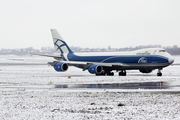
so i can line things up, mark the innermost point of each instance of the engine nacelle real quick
(60, 67)
(95, 69)
(145, 71)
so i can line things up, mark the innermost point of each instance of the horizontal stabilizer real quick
(55, 57)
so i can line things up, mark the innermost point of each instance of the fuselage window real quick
(162, 51)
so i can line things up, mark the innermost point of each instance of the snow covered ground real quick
(95, 104)
(88, 105)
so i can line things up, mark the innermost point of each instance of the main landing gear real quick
(122, 73)
(159, 72)
(109, 73)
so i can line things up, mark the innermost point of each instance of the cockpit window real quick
(162, 51)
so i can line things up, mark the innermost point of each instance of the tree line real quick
(173, 50)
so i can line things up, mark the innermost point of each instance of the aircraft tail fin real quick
(59, 43)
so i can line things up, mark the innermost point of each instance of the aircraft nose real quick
(171, 60)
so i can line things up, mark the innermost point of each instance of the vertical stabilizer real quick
(59, 43)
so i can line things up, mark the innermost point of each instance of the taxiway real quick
(39, 92)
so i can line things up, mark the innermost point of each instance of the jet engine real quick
(145, 71)
(95, 69)
(60, 67)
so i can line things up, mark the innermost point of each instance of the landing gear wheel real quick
(122, 73)
(159, 74)
(110, 74)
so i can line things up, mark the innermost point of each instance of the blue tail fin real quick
(59, 44)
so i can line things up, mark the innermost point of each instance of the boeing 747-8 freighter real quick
(103, 63)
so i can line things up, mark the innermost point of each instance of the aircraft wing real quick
(81, 65)
(85, 65)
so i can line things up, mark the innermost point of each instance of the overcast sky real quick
(89, 23)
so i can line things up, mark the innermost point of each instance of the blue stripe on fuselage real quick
(133, 59)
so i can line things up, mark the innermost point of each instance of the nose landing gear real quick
(159, 72)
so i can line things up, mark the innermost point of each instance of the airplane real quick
(103, 63)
